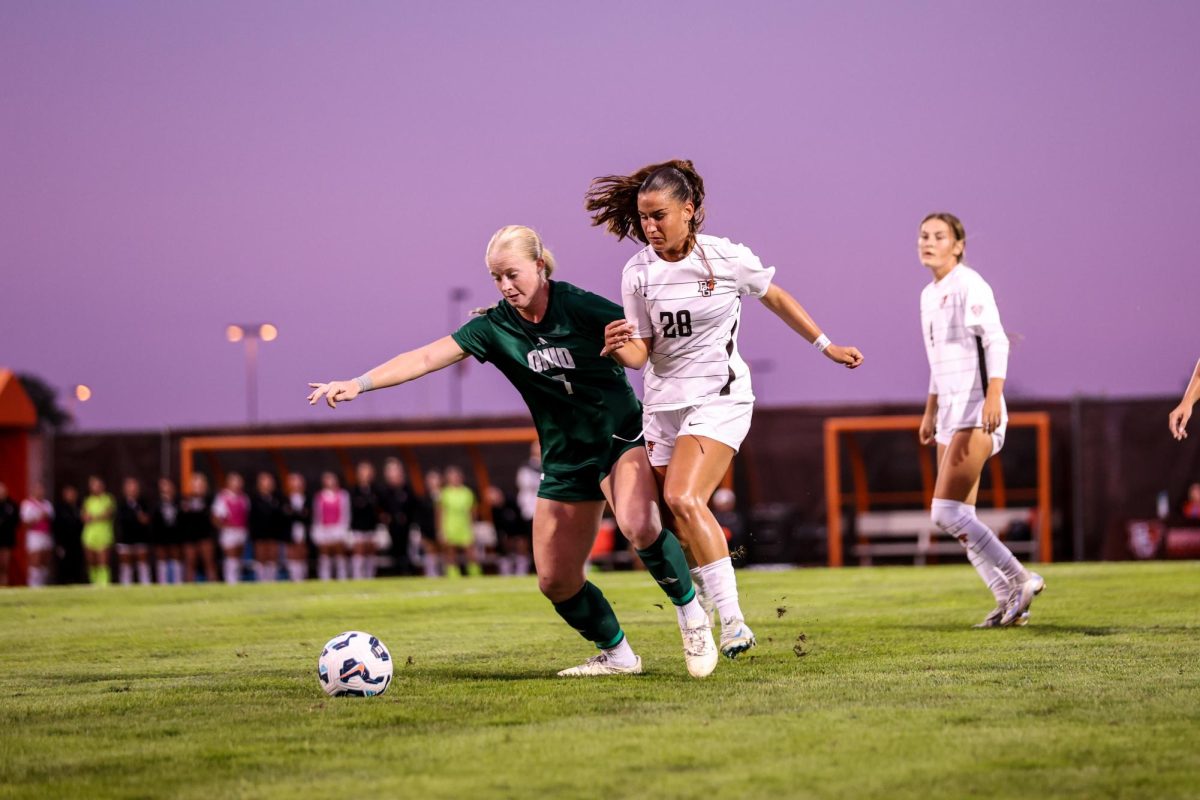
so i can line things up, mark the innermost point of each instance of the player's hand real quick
(1178, 419)
(849, 356)
(333, 392)
(616, 334)
(925, 433)
(991, 413)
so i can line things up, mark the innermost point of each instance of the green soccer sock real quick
(99, 575)
(589, 613)
(666, 562)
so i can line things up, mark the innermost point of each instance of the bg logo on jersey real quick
(549, 358)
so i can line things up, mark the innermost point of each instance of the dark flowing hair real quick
(956, 227)
(612, 199)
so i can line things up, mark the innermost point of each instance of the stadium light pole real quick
(250, 334)
(457, 295)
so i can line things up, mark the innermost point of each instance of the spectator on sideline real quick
(430, 533)
(165, 533)
(97, 537)
(133, 534)
(331, 527)
(231, 510)
(1191, 506)
(403, 511)
(529, 480)
(68, 532)
(456, 513)
(10, 518)
(511, 531)
(37, 513)
(269, 527)
(197, 531)
(298, 508)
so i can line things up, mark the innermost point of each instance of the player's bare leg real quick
(696, 469)
(563, 535)
(632, 491)
(960, 466)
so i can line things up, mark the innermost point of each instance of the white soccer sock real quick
(269, 572)
(372, 566)
(125, 573)
(297, 569)
(995, 580)
(324, 567)
(622, 655)
(342, 565)
(232, 568)
(358, 565)
(691, 613)
(720, 584)
(161, 568)
(521, 565)
(959, 520)
(430, 565)
(176, 570)
(143, 573)
(37, 576)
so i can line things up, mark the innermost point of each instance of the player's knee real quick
(640, 528)
(684, 504)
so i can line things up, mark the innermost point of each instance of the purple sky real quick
(168, 168)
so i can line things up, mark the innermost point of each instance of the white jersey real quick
(965, 343)
(690, 310)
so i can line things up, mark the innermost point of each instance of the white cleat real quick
(601, 665)
(992, 620)
(1021, 598)
(736, 637)
(699, 649)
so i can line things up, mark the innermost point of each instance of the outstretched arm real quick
(788, 309)
(401, 369)
(1180, 415)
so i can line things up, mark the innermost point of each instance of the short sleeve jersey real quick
(96, 506)
(690, 311)
(580, 401)
(456, 503)
(965, 343)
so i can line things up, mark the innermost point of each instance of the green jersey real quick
(580, 401)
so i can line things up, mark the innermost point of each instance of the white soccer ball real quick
(354, 664)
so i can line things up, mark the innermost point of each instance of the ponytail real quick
(612, 199)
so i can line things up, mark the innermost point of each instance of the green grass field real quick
(866, 683)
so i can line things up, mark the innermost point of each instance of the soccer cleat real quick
(1020, 599)
(699, 649)
(601, 665)
(736, 637)
(992, 620)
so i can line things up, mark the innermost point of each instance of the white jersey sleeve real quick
(633, 298)
(749, 274)
(981, 318)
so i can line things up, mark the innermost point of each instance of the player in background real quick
(965, 411)
(1177, 420)
(231, 510)
(165, 531)
(133, 534)
(683, 299)
(546, 337)
(196, 530)
(365, 507)
(269, 526)
(331, 527)
(38, 513)
(98, 511)
(456, 520)
(298, 508)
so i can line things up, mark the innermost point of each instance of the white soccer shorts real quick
(725, 419)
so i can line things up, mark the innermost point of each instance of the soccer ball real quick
(354, 664)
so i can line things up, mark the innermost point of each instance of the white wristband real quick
(822, 343)
(365, 384)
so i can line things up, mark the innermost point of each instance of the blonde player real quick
(965, 412)
(1178, 419)
(683, 299)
